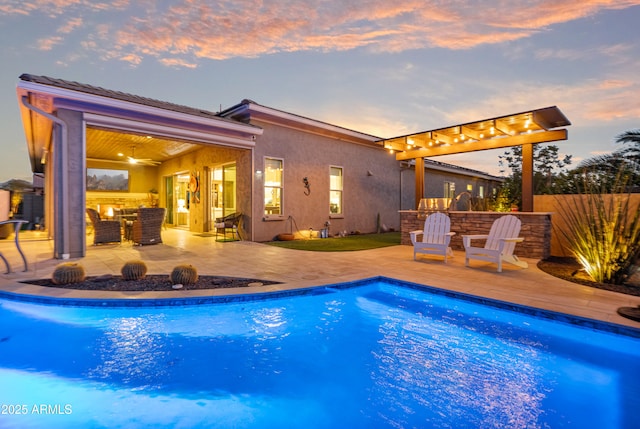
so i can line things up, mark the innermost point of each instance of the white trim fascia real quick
(280, 115)
(166, 131)
(462, 172)
(141, 108)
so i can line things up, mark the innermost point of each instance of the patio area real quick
(296, 269)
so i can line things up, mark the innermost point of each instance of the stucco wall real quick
(311, 155)
(536, 229)
(70, 232)
(434, 184)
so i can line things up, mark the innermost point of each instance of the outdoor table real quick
(127, 225)
(17, 225)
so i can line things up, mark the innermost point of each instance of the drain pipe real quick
(64, 212)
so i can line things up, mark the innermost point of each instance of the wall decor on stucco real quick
(194, 187)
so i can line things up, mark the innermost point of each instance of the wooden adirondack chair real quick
(499, 243)
(436, 236)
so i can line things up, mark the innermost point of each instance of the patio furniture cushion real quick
(229, 223)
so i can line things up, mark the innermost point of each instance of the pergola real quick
(519, 129)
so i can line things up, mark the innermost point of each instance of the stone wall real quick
(536, 229)
(101, 201)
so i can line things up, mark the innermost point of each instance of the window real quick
(335, 190)
(273, 186)
(449, 189)
(481, 191)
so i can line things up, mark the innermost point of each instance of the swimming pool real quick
(376, 353)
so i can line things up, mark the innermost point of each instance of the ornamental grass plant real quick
(603, 229)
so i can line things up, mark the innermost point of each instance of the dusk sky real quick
(382, 67)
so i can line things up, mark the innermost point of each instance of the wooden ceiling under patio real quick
(519, 129)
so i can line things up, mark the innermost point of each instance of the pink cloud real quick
(56, 7)
(48, 44)
(174, 62)
(132, 59)
(70, 25)
(614, 106)
(187, 30)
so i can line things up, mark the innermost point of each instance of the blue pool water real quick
(365, 355)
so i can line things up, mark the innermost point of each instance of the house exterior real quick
(449, 187)
(285, 173)
(329, 175)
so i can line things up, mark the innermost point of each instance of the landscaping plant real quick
(134, 270)
(67, 273)
(184, 274)
(603, 230)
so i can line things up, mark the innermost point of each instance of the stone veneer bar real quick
(536, 229)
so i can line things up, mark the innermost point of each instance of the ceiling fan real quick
(144, 161)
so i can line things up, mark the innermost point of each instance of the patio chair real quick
(147, 228)
(228, 223)
(499, 243)
(435, 236)
(104, 231)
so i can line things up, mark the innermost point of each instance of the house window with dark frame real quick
(335, 190)
(273, 186)
(449, 189)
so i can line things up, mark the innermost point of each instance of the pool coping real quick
(259, 294)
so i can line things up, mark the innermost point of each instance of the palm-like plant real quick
(632, 136)
(625, 160)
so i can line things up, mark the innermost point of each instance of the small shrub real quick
(68, 273)
(134, 270)
(184, 274)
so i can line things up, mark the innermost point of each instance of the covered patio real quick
(149, 147)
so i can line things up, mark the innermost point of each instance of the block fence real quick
(536, 229)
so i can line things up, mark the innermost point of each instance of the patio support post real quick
(61, 179)
(419, 180)
(527, 177)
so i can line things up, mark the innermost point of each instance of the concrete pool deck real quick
(297, 269)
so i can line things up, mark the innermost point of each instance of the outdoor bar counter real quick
(536, 229)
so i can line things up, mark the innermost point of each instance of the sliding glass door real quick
(223, 191)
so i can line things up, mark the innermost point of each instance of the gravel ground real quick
(152, 283)
(569, 269)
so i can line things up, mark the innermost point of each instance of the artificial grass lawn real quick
(342, 244)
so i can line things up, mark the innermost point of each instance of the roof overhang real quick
(530, 127)
(121, 115)
(431, 164)
(251, 111)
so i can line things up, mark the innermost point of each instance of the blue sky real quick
(381, 67)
